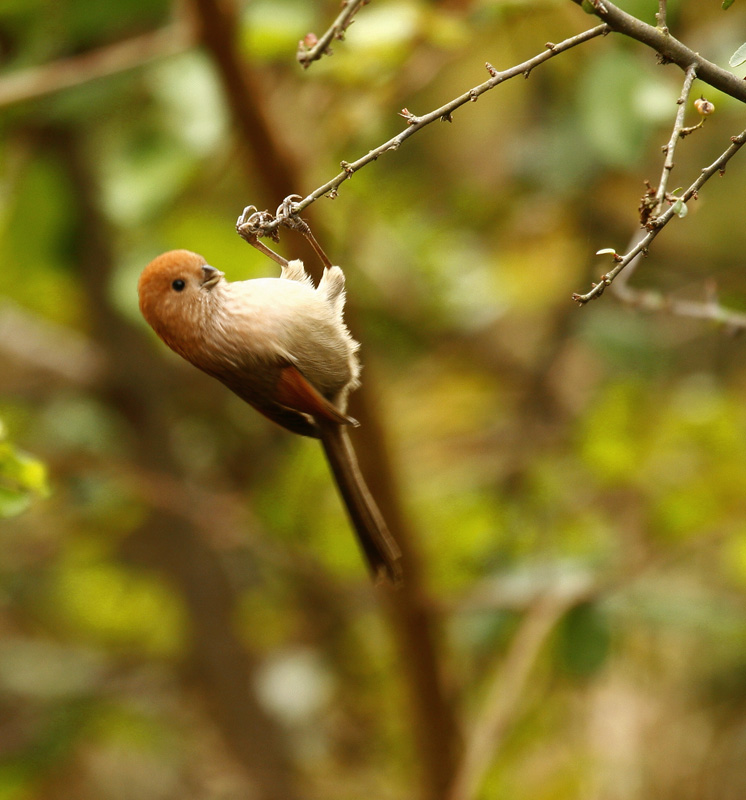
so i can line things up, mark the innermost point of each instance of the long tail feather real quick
(379, 546)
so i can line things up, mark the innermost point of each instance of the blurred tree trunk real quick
(411, 614)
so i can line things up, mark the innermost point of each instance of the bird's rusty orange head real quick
(173, 289)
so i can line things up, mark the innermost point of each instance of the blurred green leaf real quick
(619, 102)
(273, 29)
(21, 478)
(117, 605)
(584, 640)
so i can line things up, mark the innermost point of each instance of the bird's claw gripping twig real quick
(254, 224)
(288, 217)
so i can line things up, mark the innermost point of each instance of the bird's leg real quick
(262, 248)
(251, 225)
(290, 218)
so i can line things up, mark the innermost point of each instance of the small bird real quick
(281, 345)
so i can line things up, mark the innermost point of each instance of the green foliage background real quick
(594, 454)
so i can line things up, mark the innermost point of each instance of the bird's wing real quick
(294, 392)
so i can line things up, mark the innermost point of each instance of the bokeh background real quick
(183, 611)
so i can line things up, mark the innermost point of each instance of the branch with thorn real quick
(311, 48)
(668, 47)
(269, 224)
(256, 225)
(676, 134)
(655, 225)
(252, 223)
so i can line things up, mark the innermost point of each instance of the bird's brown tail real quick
(379, 546)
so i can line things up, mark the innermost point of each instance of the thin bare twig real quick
(312, 49)
(650, 300)
(691, 74)
(708, 309)
(34, 82)
(444, 113)
(656, 225)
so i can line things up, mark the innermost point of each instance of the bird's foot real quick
(288, 216)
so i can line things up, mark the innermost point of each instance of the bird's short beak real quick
(211, 276)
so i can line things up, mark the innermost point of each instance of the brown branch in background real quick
(411, 614)
(312, 48)
(656, 225)
(35, 82)
(271, 160)
(708, 309)
(505, 694)
(542, 611)
(668, 47)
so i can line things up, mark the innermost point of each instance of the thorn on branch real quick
(340, 34)
(409, 116)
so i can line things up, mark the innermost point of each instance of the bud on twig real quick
(704, 107)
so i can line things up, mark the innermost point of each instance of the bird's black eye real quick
(178, 285)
